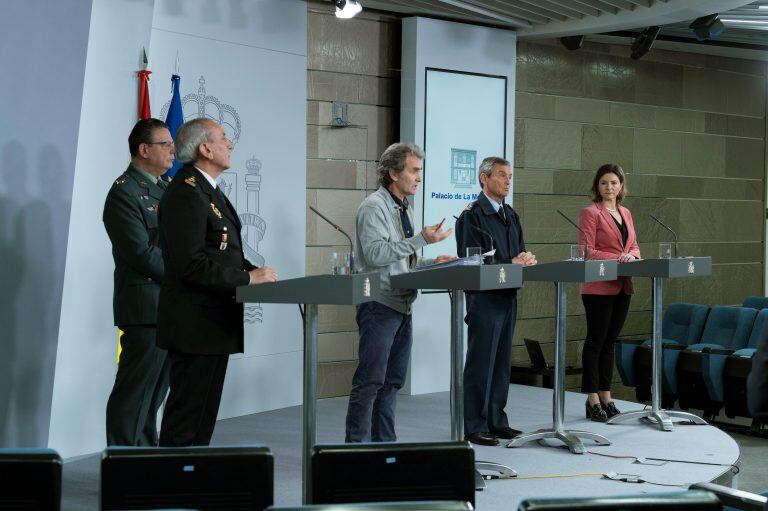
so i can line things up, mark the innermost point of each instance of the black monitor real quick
(226, 478)
(673, 501)
(30, 479)
(422, 505)
(389, 472)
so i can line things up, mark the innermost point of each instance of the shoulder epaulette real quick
(191, 181)
(120, 180)
(470, 206)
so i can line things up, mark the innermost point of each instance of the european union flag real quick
(174, 120)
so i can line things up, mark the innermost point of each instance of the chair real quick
(231, 478)
(698, 500)
(756, 302)
(389, 472)
(30, 479)
(682, 324)
(737, 366)
(713, 362)
(727, 328)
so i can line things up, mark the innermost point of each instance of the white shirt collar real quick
(208, 177)
(495, 204)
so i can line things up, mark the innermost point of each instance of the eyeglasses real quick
(166, 144)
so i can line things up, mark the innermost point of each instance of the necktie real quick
(501, 213)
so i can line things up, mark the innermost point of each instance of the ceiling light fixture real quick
(346, 9)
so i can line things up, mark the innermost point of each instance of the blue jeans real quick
(385, 347)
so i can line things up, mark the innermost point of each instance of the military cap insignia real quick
(216, 211)
(191, 181)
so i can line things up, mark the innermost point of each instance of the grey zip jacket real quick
(381, 246)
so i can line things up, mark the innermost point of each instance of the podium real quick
(657, 270)
(457, 279)
(561, 273)
(312, 291)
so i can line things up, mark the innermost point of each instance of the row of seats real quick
(706, 358)
(362, 477)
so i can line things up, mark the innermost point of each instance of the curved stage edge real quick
(425, 418)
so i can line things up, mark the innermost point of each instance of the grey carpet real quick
(426, 418)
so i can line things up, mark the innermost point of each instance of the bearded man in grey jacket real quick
(387, 244)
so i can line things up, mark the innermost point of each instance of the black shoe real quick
(596, 412)
(482, 438)
(610, 409)
(505, 433)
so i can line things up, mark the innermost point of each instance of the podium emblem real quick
(691, 267)
(502, 276)
(601, 270)
(367, 287)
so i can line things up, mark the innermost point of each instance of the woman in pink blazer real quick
(610, 235)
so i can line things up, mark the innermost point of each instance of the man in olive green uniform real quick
(130, 217)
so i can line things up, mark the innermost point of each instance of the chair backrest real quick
(698, 500)
(30, 479)
(388, 472)
(684, 322)
(756, 302)
(757, 328)
(232, 478)
(728, 327)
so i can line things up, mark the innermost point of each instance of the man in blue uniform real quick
(490, 224)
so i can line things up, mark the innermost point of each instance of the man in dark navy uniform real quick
(130, 217)
(489, 223)
(199, 321)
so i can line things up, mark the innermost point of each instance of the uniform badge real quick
(144, 197)
(120, 181)
(224, 239)
(216, 211)
(191, 181)
(153, 208)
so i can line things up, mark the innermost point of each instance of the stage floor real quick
(703, 453)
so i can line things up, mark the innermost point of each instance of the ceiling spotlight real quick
(643, 42)
(707, 27)
(572, 42)
(347, 8)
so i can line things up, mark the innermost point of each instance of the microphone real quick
(586, 238)
(669, 229)
(492, 251)
(335, 226)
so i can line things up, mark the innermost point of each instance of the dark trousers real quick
(385, 347)
(193, 404)
(491, 323)
(605, 318)
(140, 386)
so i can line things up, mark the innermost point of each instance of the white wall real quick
(429, 43)
(42, 48)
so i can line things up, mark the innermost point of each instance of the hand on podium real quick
(262, 276)
(525, 258)
(445, 258)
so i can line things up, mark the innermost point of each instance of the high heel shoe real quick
(595, 412)
(610, 409)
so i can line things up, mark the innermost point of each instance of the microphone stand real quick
(669, 229)
(586, 238)
(336, 226)
(481, 230)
